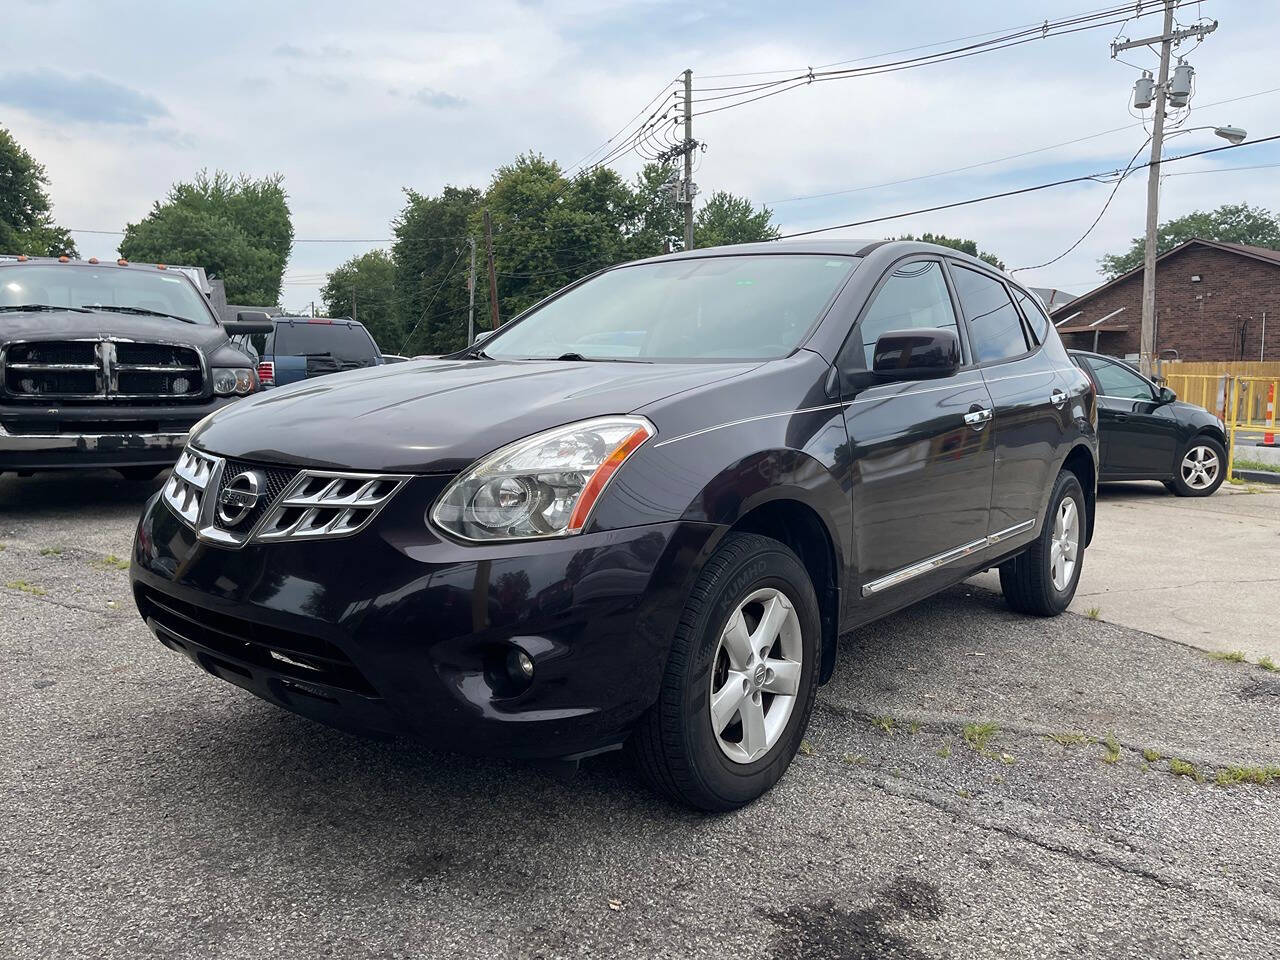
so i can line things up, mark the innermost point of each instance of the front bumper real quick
(99, 437)
(395, 631)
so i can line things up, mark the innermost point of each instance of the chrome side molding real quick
(942, 559)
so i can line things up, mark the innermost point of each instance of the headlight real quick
(229, 380)
(541, 486)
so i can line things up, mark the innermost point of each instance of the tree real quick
(957, 243)
(26, 223)
(238, 229)
(431, 262)
(726, 219)
(364, 288)
(1230, 223)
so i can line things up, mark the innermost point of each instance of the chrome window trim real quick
(921, 567)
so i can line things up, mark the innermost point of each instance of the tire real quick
(1200, 469)
(139, 474)
(675, 744)
(1028, 580)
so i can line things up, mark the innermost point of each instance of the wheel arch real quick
(1080, 460)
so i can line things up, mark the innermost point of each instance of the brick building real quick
(1212, 303)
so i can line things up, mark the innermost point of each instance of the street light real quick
(1233, 135)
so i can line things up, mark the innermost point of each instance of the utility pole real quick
(471, 295)
(354, 314)
(688, 159)
(1168, 37)
(493, 276)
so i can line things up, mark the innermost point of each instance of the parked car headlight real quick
(542, 486)
(229, 380)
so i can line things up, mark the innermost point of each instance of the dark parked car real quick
(642, 511)
(1146, 433)
(110, 364)
(300, 348)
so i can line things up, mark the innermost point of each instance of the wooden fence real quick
(1206, 383)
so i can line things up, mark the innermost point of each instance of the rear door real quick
(1027, 400)
(920, 451)
(1139, 435)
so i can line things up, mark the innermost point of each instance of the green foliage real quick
(26, 224)
(957, 243)
(548, 231)
(726, 219)
(430, 259)
(238, 229)
(1230, 223)
(364, 287)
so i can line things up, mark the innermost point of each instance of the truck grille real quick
(101, 370)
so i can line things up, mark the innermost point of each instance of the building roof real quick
(1053, 297)
(1263, 254)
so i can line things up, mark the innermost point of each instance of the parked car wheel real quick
(1042, 580)
(1201, 470)
(740, 680)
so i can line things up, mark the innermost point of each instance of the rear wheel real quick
(1201, 470)
(740, 680)
(1042, 579)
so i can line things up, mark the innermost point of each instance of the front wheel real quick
(1201, 470)
(740, 680)
(1042, 579)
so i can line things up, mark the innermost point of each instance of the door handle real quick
(977, 417)
(1121, 416)
(1058, 398)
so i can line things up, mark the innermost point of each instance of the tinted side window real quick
(1035, 316)
(1115, 380)
(994, 323)
(914, 296)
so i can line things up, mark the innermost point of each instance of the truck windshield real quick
(78, 287)
(754, 307)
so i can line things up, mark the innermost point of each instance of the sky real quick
(354, 102)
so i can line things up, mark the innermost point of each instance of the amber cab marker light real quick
(161, 266)
(22, 258)
(64, 259)
(595, 486)
(122, 262)
(93, 259)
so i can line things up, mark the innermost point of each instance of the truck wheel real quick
(1201, 469)
(139, 474)
(740, 680)
(1042, 579)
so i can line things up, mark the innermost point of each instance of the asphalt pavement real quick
(975, 784)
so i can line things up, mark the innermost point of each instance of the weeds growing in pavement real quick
(1231, 656)
(1151, 756)
(944, 751)
(1072, 739)
(978, 735)
(1093, 613)
(1181, 768)
(885, 723)
(1259, 775)
(806, 748)
(26, 587)
(51, 551)
(112, 562)
(1266, 663)
(1113, 748)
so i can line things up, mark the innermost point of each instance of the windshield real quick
(717, 308)
(344, 341)
(66, 285)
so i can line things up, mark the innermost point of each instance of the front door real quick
(1139, 437)
(921, 457)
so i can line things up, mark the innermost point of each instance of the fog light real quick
(520, 667)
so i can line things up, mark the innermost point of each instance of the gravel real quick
(149, 810)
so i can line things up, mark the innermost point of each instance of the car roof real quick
(324, 321)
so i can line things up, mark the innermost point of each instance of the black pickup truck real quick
(110, 364)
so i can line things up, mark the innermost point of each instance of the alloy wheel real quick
(1200, 467)
(1065, 547)
(756, 675)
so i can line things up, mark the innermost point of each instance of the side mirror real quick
(249, 321)
(924, 354)
(1166, 395)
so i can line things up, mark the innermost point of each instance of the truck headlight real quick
(542, 486)
(229, 380)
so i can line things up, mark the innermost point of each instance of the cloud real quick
(329, 51)
(438, 99)
(289, 50)
(51, 95)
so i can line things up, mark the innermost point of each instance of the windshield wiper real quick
(32, 307)
(577, 356)
(140, 311)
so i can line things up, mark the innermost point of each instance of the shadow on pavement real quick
(60, 492)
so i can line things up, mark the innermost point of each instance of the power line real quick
(427, 309)
(1017, 192)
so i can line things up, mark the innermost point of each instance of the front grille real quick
(277, 479)
(36, 427)
(102, 369)
(291, 504)
(300, 656)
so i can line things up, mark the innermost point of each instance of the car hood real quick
(72, 325)
(437, 416)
